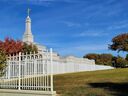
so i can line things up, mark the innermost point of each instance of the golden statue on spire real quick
(28, 11)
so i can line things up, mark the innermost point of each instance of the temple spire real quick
(28, 11)
(28, 37)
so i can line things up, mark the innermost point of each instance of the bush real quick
(121, 62)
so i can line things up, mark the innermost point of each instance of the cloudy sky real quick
(70, 27)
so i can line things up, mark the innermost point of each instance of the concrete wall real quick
(8, 92)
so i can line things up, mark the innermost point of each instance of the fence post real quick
(19, 81)
(8, 73)
(35, 63)
(51, 73)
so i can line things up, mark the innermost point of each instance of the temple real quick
(29, 39)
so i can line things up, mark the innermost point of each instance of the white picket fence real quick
(35, 71)
(29, 72)
(70, 67)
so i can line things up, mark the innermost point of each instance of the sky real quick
(70, 27)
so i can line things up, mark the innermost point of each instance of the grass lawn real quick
(97, 83)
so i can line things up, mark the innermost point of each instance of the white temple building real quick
(29, 38)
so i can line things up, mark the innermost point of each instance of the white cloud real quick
(80, 50)
(119, 25)
(91, 34)
(33, 2)
(41, 2)
(87, 47)
(91, 47)
(71, 24)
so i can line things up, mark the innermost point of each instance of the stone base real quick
(8, 92)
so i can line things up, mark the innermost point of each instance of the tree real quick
(92, 56)
(2, 62)
(100, 59)
(10, 46)
(114, 61)
(105, 59)
(29, 48)
(119, 43)
(126, 57)
(121, 62)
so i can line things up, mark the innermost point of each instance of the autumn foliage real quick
(119, 43)
(92, 56)
(11, 46)
(100, 59)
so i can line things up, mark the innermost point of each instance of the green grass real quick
(97, 83)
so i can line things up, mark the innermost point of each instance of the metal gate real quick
(29, 72)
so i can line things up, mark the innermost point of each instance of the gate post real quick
(51, 73)
(19, 81)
